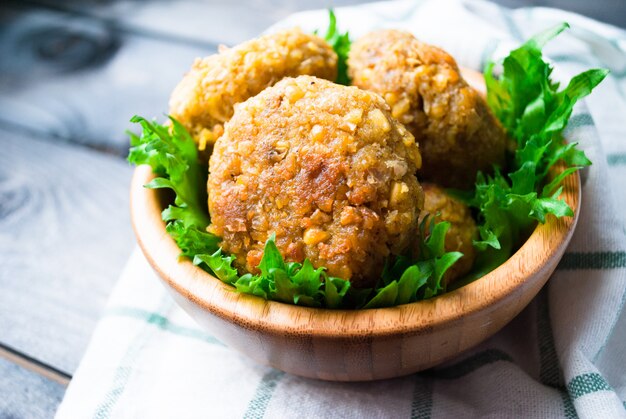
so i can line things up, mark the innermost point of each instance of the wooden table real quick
(71, 76)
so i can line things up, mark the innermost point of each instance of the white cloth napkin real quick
(563, 356)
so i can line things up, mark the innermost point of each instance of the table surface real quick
(72, 73)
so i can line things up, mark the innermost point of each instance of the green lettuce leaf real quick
(293, 283)
(524, 98)
(172, 154)
(405, 281)
(340, 42)
(534, 113)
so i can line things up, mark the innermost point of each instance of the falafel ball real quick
(462, 232)
(203, 100)
(458, 135)
(324, 167)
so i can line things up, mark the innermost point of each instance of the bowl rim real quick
(546, 242)
(276, 317)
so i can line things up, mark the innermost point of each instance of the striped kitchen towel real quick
(563, 356)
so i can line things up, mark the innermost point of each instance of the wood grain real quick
(111, 61)
(192, 22)
(64, 238)
(90, 105)
(87, 93)
(356, 345)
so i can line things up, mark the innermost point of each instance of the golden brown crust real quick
(462, 231)
(457, 133)
(325, 168)
(204, 99)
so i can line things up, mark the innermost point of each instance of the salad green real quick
(508, 203)
(534, 113)
(172, 155)
(340, 42)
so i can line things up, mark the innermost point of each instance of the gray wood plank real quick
(25, 394)
(75, 80)
(79, 75)
(47, 371)
(64, 238)
(212, 21)
(78, 72)
(233, 22)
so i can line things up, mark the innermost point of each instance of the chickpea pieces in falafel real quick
(326, 169)
(457, 133)
(204, 99)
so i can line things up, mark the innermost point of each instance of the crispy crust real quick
(457, 133)
(324, 167)
(204, 99)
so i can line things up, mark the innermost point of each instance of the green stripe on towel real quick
(580, 120)
(569, 411)
(617, 159)
(422, 405)
(587, 383)
(549, 368)
(125, 369)
(593, 260)
(263, 395)
(161, 322)
(573, 58)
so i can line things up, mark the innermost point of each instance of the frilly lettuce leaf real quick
(405, 281)
(524, 98)
(171, 153)
(534, 113)
(294, 283)
(340, 42)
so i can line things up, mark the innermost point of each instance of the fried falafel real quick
(326, 169)
(458, 134)
(203, 100)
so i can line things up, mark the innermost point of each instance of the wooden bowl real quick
(356, 345)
